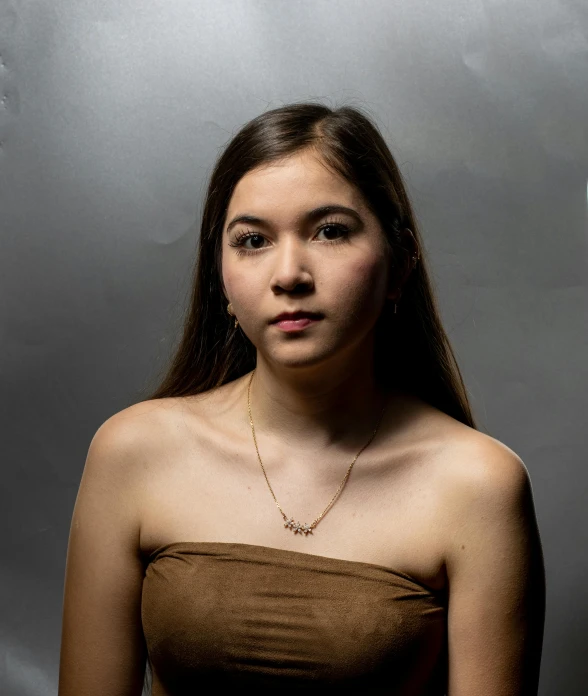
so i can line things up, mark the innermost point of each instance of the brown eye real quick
(256, 240)
(333, 232)
(241, 242)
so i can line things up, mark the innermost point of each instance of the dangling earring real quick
(395, 308)
(230, 311)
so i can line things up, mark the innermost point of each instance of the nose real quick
(291, 270)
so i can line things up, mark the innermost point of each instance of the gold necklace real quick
(289, 523)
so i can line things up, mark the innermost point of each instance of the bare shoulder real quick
(482, 462)
(476, 476)
(494, 567)
(484, 470)
(139, 427)
(145, 422)
(149, 431)
(487, 494)
(103, 647)
(467, 458)
(130, 442)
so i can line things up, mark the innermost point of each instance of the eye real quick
(334, 231)
(242, 238)
(256, 241)
(249, 242)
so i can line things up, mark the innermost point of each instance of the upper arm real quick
(496, 579)
(102, 644)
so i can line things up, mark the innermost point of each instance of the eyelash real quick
(241, 237)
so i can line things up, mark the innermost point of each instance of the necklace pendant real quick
(297, 527)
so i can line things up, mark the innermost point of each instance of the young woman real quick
(305, 503)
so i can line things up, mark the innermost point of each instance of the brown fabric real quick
(219, 614)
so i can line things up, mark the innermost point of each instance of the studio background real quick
(112, 114)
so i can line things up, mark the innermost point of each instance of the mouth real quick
(294, 321)
(293, 316)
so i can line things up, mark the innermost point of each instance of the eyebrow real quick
(310, 216)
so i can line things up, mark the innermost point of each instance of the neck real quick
(314, 408)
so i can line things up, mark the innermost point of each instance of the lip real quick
(299, 324)
(295, 321)
(298, 314)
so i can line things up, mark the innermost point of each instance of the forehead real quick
(299, 181)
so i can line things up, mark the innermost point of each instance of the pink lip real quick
(295, 324)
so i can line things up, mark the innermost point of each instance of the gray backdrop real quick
(111, 116)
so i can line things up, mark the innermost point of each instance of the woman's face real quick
(298, 237)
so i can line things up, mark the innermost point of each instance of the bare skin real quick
(389, 513)
(430, 497)
(314, 399)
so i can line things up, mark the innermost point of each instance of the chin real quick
(297, 355)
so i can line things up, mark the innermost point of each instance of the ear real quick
(222, 286)
(400, 272)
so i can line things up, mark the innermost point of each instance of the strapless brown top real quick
(219, 614)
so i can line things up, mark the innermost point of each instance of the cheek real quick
(241, 287)
(361, 285)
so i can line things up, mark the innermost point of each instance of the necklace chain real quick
(289, 523)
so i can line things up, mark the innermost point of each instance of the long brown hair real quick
(412, 350)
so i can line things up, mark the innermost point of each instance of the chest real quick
(238, 615)
(389, 512)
